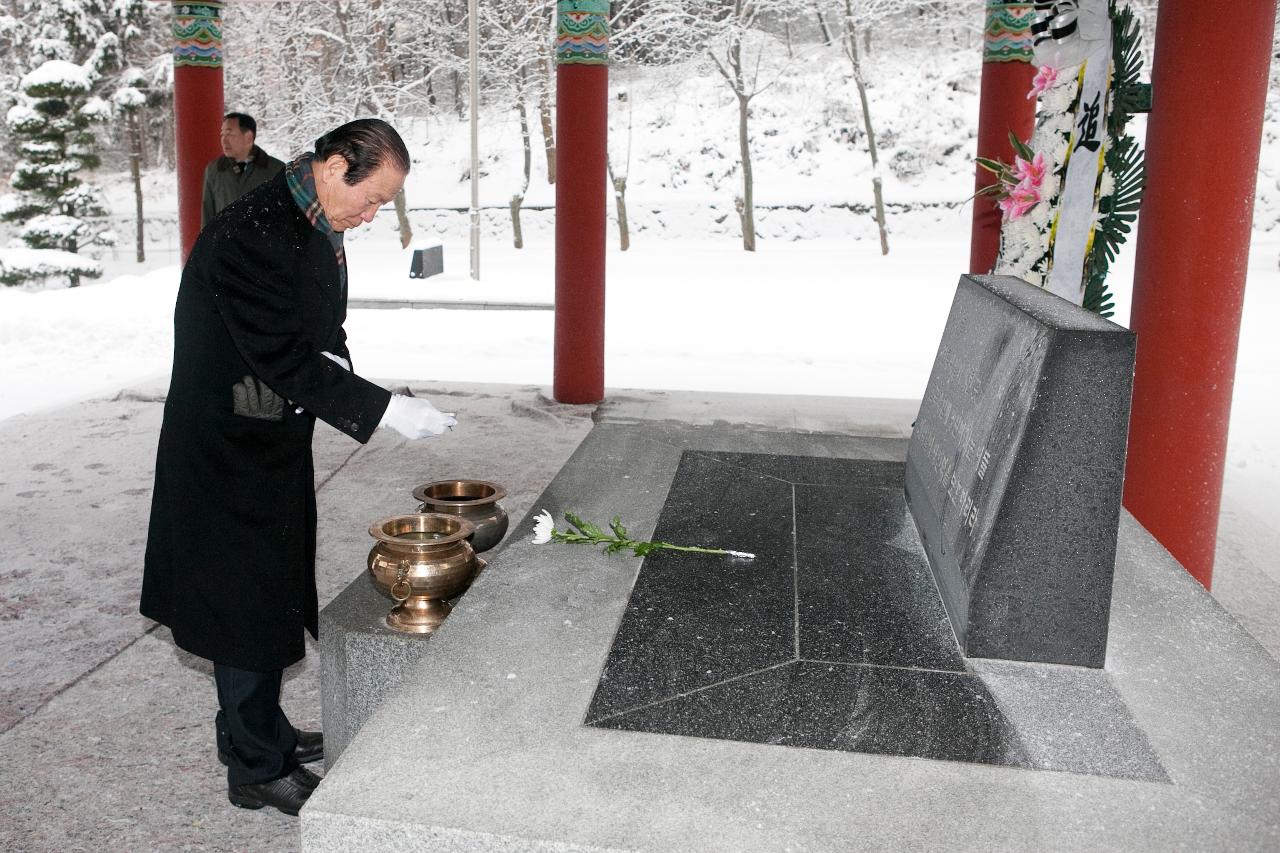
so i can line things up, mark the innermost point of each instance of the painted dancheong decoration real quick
(197, 34)
(582, 32)
(1007, 35)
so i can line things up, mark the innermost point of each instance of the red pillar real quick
(197, 105)
(582, 91)
(1209, 83)
(1003, 106)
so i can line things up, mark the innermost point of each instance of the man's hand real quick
(414, 418)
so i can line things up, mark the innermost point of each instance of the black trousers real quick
(254, 736)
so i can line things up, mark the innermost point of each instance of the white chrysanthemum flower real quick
(1026, 235)
(1058, 148)
(1052, 183)
(1039, 217)
(1057, 98)
(543, 527)
(1023, 245)
(1108, 184)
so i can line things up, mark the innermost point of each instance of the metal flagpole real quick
(474, 36)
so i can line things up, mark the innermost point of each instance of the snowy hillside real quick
(673, 133)
(812, 170)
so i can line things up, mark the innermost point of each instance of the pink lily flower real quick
(1029, 173)
(1020, 200)
(1044, 80)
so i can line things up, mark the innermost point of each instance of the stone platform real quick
(491, 741)
(360, 660)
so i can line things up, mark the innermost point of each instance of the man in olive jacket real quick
(259, 354)
(243, 166)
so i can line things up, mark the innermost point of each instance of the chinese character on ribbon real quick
(1088, 124)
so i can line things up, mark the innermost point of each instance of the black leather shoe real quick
(288, 793)
(310, 748)
(307, 777)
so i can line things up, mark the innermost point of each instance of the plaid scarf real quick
(302, 183)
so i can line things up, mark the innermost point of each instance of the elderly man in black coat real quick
(259, 354)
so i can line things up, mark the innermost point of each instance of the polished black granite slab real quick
(864, 591)
(882, 710)
(833, 637)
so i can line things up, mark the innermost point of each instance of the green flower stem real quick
(584, 532)
(694, 548)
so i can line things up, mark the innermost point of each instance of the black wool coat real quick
(230, 560)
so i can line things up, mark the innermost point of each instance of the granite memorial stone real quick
(427, 261)
(1015, 470)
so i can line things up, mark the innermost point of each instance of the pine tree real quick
(51, 126)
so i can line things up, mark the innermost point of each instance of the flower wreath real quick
(1029, 192)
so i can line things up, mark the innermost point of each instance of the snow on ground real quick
(795, 318)
(61, 346)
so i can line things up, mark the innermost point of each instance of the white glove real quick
(337, 359)
(415, 418)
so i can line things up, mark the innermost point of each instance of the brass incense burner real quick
(422, 560)
(474, 500)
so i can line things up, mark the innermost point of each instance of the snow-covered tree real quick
(130, 100)
(106, 37)
(130, 92)
(514, 50)
(301, 75)
(69, 46)
(620, 101)
(51, 125)
(858, 17)
(657, 32)
(14, 41)
(736, 45)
